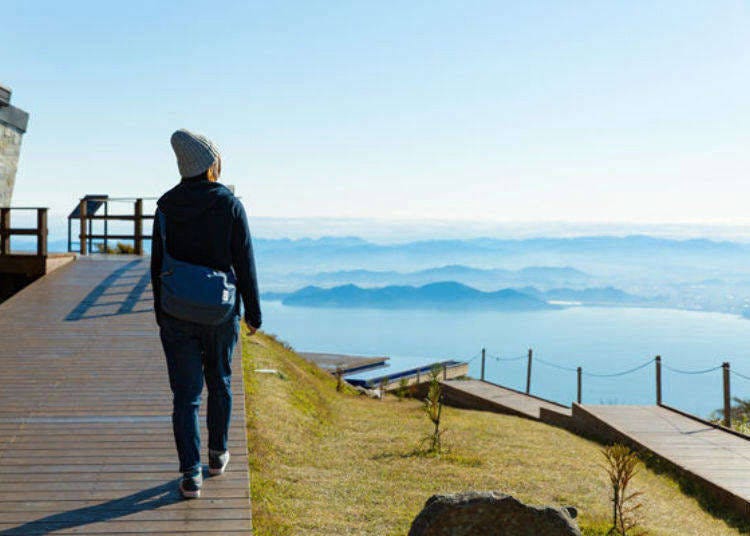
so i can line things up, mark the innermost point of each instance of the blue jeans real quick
(195, 351)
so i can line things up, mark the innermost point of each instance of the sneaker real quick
(190, 487)
(217, 462)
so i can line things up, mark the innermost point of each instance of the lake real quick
(601, 340)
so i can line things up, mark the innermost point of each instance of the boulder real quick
(491, 513)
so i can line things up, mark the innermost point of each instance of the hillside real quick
(327, 463)
(445, 295)
(482, 278)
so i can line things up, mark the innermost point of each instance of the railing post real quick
(580, 390)
(106, 227)
(483, 355)
(528, 372)
(4, 229)
(139, 226)
(727, 397)
(82, 236)
(41, 232)
(658, 380)
(445, 371)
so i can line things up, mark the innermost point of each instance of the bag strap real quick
(162, 229)
(165, 258)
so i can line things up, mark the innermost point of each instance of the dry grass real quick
(328, 463)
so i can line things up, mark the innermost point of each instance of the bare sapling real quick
(433, 406)
(621, 465)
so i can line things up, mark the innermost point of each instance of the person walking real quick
(201, 259)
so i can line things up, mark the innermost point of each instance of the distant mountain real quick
(482, 278)
(346, 295)
(442, 295)
(588, 296)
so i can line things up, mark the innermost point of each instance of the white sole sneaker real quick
(190, 494)
(219, 470)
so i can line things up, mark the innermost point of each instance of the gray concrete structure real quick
(13, 123)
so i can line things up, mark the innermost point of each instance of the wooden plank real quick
(717, 459)
(86, 442)
(478, 394)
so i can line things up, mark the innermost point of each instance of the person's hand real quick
(250, 329)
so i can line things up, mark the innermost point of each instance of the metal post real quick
(528, 373)
(483, 354)
(580, 390)
(139, 226)
(41, 232)
(82, 236)
(106, 227)
(4, 230)
(658, 380)
(70, 237)
(727, 397)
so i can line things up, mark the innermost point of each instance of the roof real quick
(93, 203)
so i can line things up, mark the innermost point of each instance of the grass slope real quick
(327, 463)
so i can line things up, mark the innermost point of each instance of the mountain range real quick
(450, 295)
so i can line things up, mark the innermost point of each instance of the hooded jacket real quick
(207, 225)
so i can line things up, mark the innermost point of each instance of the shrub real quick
(621, 465)
(433, 406)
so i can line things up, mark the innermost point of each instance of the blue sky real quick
(473, 110)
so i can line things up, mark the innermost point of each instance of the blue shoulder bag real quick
(192, 292)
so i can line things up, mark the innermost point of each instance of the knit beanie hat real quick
(195, 153)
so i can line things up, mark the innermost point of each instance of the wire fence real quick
(581, 373)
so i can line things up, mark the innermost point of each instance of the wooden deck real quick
(479, 394)
(347, 364)
(718, 459)
(86, 442)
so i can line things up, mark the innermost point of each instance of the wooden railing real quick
(40, 231)
(86, 235)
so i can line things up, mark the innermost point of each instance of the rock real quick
(491, 513)
(372, 393)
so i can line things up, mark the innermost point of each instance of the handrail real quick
(657, 361)
(87, 235)
(40, 231)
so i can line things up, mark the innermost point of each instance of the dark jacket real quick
(207, 225)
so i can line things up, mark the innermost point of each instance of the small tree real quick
(403, 389)
(621, 465)
(433, 406)
(739, 414)
(382, 387)
(339, 379)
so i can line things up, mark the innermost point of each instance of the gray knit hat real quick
(195, 153)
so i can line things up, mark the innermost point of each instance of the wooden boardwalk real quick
(718, 459)
(479, 394)
(86, 442)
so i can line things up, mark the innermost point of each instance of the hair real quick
(212, 174)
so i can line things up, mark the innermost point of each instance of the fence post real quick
(445, 371)
(41, 232)
(658, 380)
(106, 227)
(580, 375)
(483, 354)
(82, 236)
(4, 229)
(139, 226)
(528, 372)
(727, 397)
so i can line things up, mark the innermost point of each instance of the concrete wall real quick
(10, 150)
